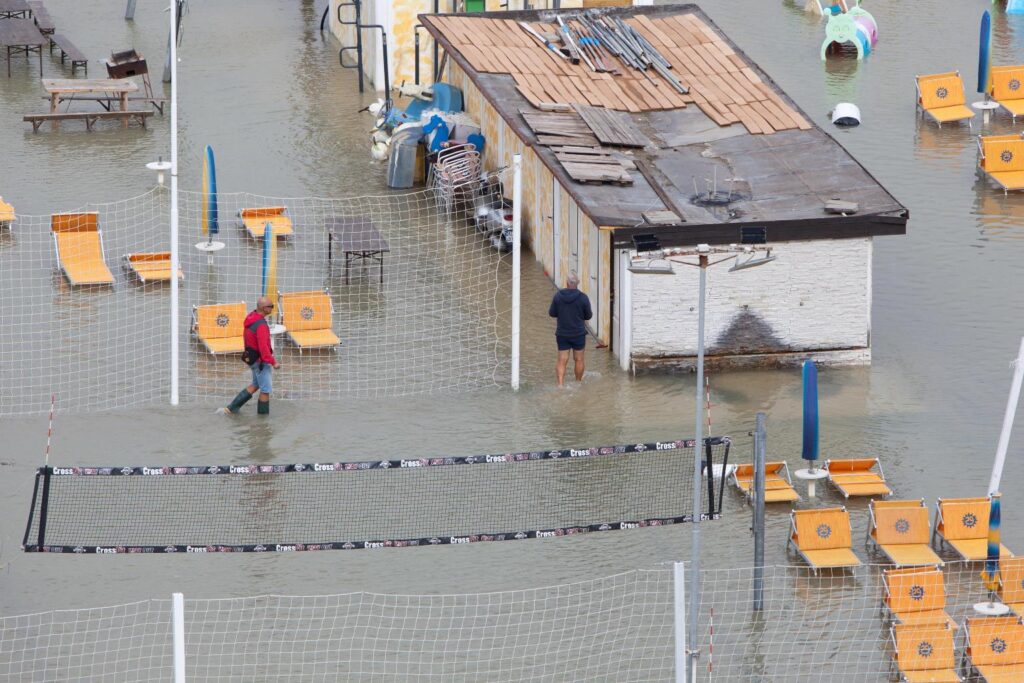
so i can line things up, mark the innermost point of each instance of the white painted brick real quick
(815, 296)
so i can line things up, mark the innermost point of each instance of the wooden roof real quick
(734, 125)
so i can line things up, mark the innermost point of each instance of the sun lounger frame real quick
(791, 544)
(878, 464)
(896, 673)
(195, 329)
(748, 495)
(891, 616)
(103, 253)
(129, 264)
(872, 543)
(288, 331)
(920, 96)
(966, 660)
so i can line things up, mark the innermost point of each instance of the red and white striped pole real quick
(707, 400)
(711, 641)
(49, 431)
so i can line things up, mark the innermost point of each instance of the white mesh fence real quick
(822, 627)
(422, 307)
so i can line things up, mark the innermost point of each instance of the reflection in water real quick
(948, 142)
(999, 216)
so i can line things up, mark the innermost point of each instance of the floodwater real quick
(260, 83)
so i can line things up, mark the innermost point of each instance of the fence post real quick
(517, 238)
(178, 629)
(760, 435)
(172, 55)
(679, 585)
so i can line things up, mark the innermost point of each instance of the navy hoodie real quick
(571, 307)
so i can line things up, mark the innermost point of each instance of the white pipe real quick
(517, 239)
(679, 584)
(625, 313)
(174, 203)
(698, 452)
(1011, 412)
(178, 630)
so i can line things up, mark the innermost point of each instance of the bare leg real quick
(577, 357)
(560, 365)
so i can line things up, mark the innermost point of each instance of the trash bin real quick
(402, 157)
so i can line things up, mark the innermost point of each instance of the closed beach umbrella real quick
(269, 280)
(991, 573)
(810, 450)
(209, 199)
(985, 54)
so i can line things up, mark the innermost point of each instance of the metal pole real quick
(129, 11)
(173, 56)
(760, 437)
(517, 239)
(167, 61)
(698, 452)
(679, 584)
(1011, 411)
(178, 630)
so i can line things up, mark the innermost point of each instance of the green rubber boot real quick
(240, 400)
(263, 407)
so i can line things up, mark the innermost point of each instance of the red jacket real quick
(259, 339)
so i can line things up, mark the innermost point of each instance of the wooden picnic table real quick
(10, 9)
(61, 89)
(21, 36)
(358, 238)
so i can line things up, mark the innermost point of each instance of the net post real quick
(698, 444)
(31, 510)
(517, 239)
(760, 434)
(178, 630)
(1008, 416)
(679, 611)
(44, 505)
(173, 73)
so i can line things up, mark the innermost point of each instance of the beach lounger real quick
(151, 266)
(778, 487)
(307, 318)
(256, 219)
(822, 537)
(1008, 89)
(924, 653)
(994, 648)
(900, 530)
(79, 245)
(916, 595)
(1011, 583)
(962, 523)
(219, 327)
(6, 214)
(856, 477)
(941, 96)
(1001, 158)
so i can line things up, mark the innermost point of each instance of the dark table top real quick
(14, 6)
(356, 233)
(19, 31)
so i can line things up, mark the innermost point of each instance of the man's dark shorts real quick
(574, 343)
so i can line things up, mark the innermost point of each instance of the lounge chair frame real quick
(917, 87)
(782, 472)
(288, 331)
(891, 616)
(994, 175)
(991, 93)
(872, 543)
(792, 545)
(897, 673)
(878, 464)
(128, 263)
(283, 213)
(103, 252)
(966, 660)
(195, 330)
(940, 521)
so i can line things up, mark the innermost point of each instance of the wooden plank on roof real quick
(738, 61)
(611, 127)
(532, 97)
(781, 104)
(563, 140)
(680, 38)
(585, 88)
(624, 97)
(652, 31)
(751, 123)
(742, 85)
(724, 47)
(712, 56)
(690, 25)
(777, 122)
(700, 65)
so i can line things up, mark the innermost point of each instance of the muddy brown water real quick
(261, 83)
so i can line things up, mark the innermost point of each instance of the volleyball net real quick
(812, 629)
(375, 297)
(371, 504)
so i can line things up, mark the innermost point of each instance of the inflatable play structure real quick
(1015, 7)
(848, 23)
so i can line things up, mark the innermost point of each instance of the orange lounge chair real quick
(900, 530)
(152, 266)
(941, 96)
(6, 214)
(307, 318)
(1001, 158)
(916, 595)
(924, 653)
(219, 327)
(855, 477)
(1011, 583)
(962, 524)
(1008, 89)
(994, 648)
(778, 487)
(822, 537)
(79, 245)
(255, 221)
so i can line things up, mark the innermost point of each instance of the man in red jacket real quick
(256, 336)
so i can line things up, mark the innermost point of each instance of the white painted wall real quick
(815, 296)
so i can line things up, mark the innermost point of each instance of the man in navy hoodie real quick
(256, 336)
(571, 307)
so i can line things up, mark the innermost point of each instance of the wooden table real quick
(61, 89)
(10, 9)
(358, 238)
(21, 36)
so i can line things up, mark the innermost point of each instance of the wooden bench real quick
(42, 18)
(69, 51)
(90, 117)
